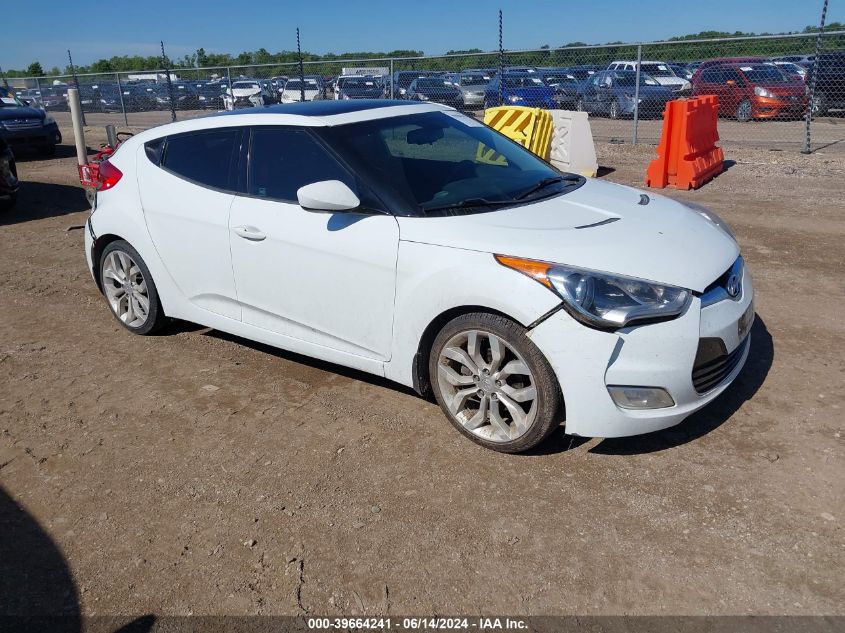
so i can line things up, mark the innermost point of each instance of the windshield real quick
(560, 78)
(431, 83)
(245, 85)
(764, 74)
(444, 163)
(406, 79)
(629, 78)
(474, 80)
(8, 99)
(359, 83)
(523, 81)
(297, 85)
(657, 70)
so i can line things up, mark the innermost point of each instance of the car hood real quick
(17, 112)
(245, 92)
(362, 92)
(531, 91)
(599, 226)
(670, 81)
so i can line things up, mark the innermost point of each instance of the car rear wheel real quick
(744, 111)
(818, 106)
(493, 383)
(129, 289)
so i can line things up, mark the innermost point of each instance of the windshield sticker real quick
(746, 68)
(463, 118)
(8, 101)
(661, 67)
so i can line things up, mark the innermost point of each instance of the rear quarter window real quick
(208, 158)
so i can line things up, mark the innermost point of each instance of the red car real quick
(752, 91)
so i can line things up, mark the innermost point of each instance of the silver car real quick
(471, 85)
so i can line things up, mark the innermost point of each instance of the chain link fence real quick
(764, 85)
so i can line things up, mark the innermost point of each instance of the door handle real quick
(249, 233)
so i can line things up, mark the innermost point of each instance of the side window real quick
(207, 158)
(284, 159)
(710, 76)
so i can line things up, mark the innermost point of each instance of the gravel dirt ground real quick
(197, 473)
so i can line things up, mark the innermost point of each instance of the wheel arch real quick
(97, 249)
(419, 363)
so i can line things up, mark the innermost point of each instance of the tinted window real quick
(284, 159)
(154, 149)
(207, 157)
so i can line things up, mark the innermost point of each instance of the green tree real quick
(35, 70)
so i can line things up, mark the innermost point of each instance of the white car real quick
(247, 94)
(294, 89)
(377, 235)
(661, 72)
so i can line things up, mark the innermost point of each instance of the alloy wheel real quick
(487, 386)
(126, 289)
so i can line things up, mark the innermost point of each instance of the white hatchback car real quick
(413, 242)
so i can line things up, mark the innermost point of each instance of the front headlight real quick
(514, 98)
(711, 216)
(602, 300)
(763, 92)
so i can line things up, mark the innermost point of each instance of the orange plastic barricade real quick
(687, 156)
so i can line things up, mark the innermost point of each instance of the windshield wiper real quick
(469, 202)
(545, 182)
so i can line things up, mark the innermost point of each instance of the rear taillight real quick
(108, 176)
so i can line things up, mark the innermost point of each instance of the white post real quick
(78, 132)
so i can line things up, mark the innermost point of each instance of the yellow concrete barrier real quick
(530, 127)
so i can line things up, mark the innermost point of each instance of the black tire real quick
(155, 317)
(744, 111)
(819, 104)
(549, 400)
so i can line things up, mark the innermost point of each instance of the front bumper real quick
(33, 137)
(660, 355)
(765, 108)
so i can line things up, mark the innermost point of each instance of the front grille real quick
(21, 124)
(713, 364)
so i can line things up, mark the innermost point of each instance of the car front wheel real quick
(129, 289)
(744, 111)
(493, 383)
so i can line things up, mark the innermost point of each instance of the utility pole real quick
(301, 70)
(501, 63)
(169, 83)
(808, 115)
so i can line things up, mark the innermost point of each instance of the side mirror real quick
(327, 195)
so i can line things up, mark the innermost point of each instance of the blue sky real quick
(45, 30)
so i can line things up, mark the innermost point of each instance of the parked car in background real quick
(584, 72)
(682, 71)
(614, 93)
(210, 95)
(802, 60)
(661, 72)
(403, 78)
(435, 89)
(359, 87)
(30, 97)
(830, 83)
(720, 61)
(505, 288)
(139, 97)
(294, 89)
(796, 71)
(54, 98)
(248, 93)
(9, 183)
(22, 126)
(520, 89)
(471, 85)
(564, 83)
(109, 96)
(752, 91)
